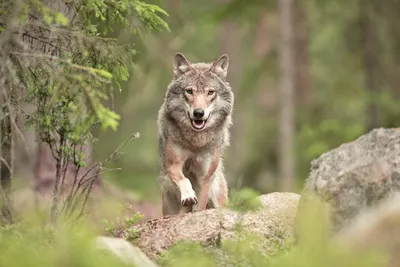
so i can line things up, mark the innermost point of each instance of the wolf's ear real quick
(220, 66)
(181, 65)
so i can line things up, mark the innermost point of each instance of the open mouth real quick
(198, 124)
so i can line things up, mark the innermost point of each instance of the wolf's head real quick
(199, 96)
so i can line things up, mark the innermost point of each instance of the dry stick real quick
(76, 173)
(87, 195)
(79, 192)
(100, 172)
(78, 167)
(102, 165)
(75, 198)
(67, 202)
(66, 163)
(86, 173)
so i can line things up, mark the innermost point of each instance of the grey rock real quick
(356, 175)
(125, 251)
(274, 222)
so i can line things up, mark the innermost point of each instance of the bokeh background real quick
(346, 70)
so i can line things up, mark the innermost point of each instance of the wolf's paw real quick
(189, 201)
(188, 196)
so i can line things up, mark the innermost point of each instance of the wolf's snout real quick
(198, 113)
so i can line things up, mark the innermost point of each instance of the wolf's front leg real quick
(175, 158)
(188, 196)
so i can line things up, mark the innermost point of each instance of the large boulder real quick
(208, 228)
(355, 175)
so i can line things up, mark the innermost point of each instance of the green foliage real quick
(103, 16)
(187, 253)
(315, 246)
(49, 246)
(88, 64)
(30, 244)
(244, 200)
(326, 254)
(126, 224)
(148, 14)
(70, 71)
(246, 251)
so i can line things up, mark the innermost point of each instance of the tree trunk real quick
(229, 43)
(286, 125)
(371, 64)
(302, 78)
(6, 150)
(263, 177)
(265, 35)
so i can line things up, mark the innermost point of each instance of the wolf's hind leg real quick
(171, 204)
(219, 190)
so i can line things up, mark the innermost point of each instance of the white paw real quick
(188, 196)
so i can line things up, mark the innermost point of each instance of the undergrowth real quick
(32, 242)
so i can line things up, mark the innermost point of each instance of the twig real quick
(99, 173)
(133, 135)
(84, 191)
(87, 196)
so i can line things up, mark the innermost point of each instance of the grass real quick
(33, 243)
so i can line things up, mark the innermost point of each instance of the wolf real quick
(193, 130)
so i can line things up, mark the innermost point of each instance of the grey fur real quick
(174, 123)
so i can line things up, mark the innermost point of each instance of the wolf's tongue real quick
(198, 123)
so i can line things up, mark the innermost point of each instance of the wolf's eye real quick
(189, 91)
(211, 92)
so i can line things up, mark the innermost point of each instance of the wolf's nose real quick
(198, 113)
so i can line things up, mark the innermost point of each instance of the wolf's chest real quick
(199, 140)
(196, 164)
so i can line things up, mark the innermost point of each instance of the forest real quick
(81, 84)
